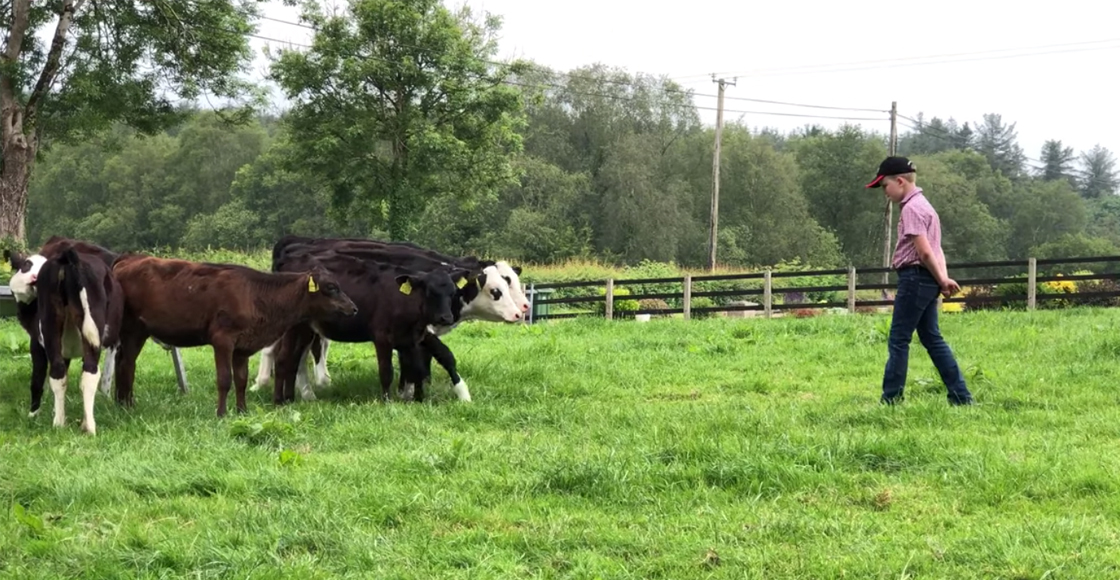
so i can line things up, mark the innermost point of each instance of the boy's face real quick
(895, 188)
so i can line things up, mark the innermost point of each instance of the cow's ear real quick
(405, 283)
(14, 258)
(459, 276)
(516, 270)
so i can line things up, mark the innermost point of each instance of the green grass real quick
(719, 448)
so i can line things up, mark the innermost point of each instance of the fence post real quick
(767, 288)
(687, 296)
(852, 289)
(532, 302)
(610, 299)
(1032, 275)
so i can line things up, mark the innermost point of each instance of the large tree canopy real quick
(397, 102)
(107, 62)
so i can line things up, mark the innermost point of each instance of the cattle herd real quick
(76, 299)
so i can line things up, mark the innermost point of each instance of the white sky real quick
(1065, 94)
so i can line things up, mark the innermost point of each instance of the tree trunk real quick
(19, 156)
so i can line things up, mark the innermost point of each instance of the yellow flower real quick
(953, 306)
(1062, 286)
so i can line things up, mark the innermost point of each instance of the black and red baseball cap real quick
(893, 165)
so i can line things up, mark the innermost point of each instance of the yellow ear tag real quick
(462, 282)
(311, 285)
(406, 288)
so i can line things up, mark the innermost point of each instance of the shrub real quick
(702, 302)
(620, 304)
(1089, 286)
(653, 304)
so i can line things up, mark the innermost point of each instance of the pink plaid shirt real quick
(916, 218)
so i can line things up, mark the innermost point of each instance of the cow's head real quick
(437, 289)
(494, 302)
(25, 273)
(327, 297)
(512, 276)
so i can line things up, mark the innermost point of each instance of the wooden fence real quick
(542, 303)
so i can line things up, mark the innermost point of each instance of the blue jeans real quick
(916, 308)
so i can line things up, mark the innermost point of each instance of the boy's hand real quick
(949, 287)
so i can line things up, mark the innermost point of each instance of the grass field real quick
(705, 449)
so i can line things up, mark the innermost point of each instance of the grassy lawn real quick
(711, 448)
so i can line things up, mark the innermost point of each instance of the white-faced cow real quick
(235, 309)
(24, 284)
(71, 306)
(488, 297)
(395, 307)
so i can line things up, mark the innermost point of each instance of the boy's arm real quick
(936, 265)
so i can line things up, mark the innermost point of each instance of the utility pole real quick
(713, 233)
(893, 147)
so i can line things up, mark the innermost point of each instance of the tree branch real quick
(21, 19)
(11, 116)
(50, 69)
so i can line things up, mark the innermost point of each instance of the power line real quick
(906, 60)
(794, 114)
(612, 81)
(753, 100)
(618, 97)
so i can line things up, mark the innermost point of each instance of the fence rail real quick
(541, 303)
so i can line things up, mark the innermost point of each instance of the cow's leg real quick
(240, 379)
(58, 371)
(306, 393)
(304, 345)
(264, 369)
(223, 365)
(410, 377)
(288, 354)
(132, 339)
(411, 363)
(443, 355)
(322, 375)
(385, 368)
(91, 374)
(38, 376)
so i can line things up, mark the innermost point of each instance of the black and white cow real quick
(71, 306)
(489, 297)
(395, 306)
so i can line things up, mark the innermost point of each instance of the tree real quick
(928, 138)
(1057, 162)
(106, 62)
(969, 232)
(1044, 211)
(1098, 176)
(397, 103)
(997, 142)
(833, 170)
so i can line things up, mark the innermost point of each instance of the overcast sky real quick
(948, 59)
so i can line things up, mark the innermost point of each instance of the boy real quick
(922, 275)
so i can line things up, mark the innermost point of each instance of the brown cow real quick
(235, 309)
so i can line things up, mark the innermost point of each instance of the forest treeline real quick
(518, 161)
